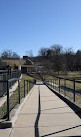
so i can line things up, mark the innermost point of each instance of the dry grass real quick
(69, 85)
(14, 98)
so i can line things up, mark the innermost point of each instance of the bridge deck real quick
(44, 115)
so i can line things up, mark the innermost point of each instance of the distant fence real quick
(68, 87)
(5, 76)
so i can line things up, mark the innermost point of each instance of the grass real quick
(31, 77)
(3, 110)
(14, 98)
(69, 85)
(69, 74)
(65, 75)
(69, 95)
(27, 77)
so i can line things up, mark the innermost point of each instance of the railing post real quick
(52, 83)
(55, 84)
(64, 87)
(49, 82)
(27, 86)
(59, 85)
(74, 89)
(8, 116)
(24, 88)
(19, 90)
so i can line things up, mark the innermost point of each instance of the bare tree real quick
(56, 59)
(78, 60)
(15, 56)
(56, 49)
(8, 54)
(29, 53)
(70, 59)
(42, 52)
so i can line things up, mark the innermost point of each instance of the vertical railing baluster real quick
(8, 109)
(64, 87)
(59, 85)
(55, 83)
(19, 90)
(27, 86)
(24, 88)
(52, 83)
(74, 88)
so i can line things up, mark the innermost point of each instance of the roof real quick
(36, 66)
(10, 60)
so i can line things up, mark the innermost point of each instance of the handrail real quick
(10, 80)
(58, 86)
(13, 79)
(69, 79)
(26, 88)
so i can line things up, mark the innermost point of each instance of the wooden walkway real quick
(44, 115)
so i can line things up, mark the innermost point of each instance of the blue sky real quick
(32, 24)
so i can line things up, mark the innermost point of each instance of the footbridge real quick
(44, 114)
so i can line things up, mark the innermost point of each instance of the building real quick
(25, 64)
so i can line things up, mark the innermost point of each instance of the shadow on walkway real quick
(36, 128)
(39, 84)
(38, 116)
(54, 108)
(61, 131)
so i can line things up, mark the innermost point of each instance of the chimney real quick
(25, 57)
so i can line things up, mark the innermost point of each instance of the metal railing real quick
(6, 76)
(13, 98)
(68, 87)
